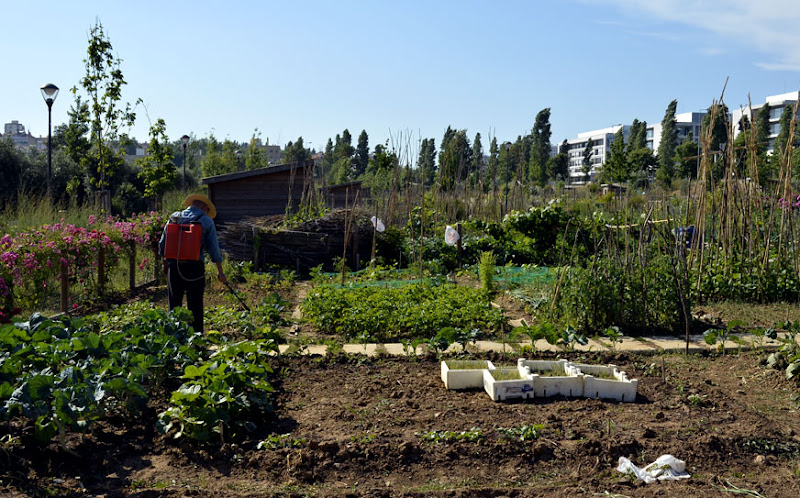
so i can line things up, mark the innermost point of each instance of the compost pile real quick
(237, 239)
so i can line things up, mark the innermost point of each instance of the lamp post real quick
(49, 94)
(185, 142)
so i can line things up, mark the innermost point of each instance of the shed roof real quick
(278, 168)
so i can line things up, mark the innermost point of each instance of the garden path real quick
(655, 344)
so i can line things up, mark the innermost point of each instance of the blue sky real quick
(402, 71)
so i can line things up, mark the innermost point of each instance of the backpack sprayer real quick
(183, 242)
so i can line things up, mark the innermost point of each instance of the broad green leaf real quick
(793, 370)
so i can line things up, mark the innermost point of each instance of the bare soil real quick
(357, 423)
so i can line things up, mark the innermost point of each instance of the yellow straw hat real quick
(212, 210)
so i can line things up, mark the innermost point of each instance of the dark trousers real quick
(187, 277)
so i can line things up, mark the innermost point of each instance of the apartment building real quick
(15, 131)
(777, 104)
(602, 140)
(601, 148)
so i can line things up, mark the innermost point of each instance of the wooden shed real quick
(343, 195)
(259, 192)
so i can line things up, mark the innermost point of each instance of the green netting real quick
(366, 278)
(506, 277)
(515, 276)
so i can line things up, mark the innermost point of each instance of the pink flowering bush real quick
(31, 262)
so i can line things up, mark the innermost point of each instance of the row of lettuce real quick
(66, 375)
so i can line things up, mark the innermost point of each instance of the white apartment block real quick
(777, 103)
(601, 148)
(602, 140)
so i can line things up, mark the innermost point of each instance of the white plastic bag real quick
(665, 468)
(451, 236)
(378, 224)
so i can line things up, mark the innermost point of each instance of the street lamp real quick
(49, 94)
(185, 142)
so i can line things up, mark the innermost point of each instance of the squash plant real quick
(222, 396)
(63, 375)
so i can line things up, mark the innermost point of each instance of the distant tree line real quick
(92, 155)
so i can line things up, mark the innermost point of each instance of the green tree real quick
(230, 157)
(296, 153)
(380, 169)
(719, 134)
(686, 158)
(212, 164)
(617, 168)
(103, 82)
(493, 163)
(454, 159)
(586, 163)
(254, 157)
(361, 158)
(558, 165)
(158, 171)
(667, 145)
(476, 167)
(427, 160)
(642, 161)
(326, 164)
(540, 147)
(10, 173)
(638, 135)
(340, 171)
(344, 146)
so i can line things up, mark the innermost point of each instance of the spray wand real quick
(237, 296)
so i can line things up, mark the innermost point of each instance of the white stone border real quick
(464, 379)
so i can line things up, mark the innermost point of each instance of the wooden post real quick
(458, 246)
(356, 262)
(132, 265)
(157, 267)
(64, 289)
(256, 250)
(101, 270)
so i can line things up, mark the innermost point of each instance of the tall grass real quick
(31, 211)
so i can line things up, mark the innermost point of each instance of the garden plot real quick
(540, 378)
(607, 382)
(504, 383)
(464, 374)
(554, 377)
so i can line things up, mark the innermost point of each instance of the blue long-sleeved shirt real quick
(210, 242)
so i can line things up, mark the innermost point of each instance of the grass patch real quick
(556, 371)
(467, 364)
(505, 374)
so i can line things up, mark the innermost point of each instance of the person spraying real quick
(187, 237)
